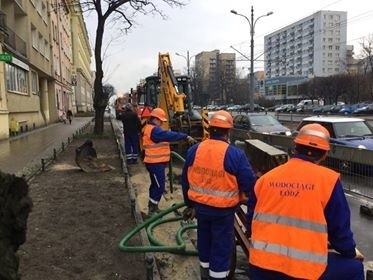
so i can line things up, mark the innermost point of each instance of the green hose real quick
(150, 224)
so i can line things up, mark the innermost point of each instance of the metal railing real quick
(16, 42)
(355, 165)
(3, 27)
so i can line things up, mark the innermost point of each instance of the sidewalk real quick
(27, 149)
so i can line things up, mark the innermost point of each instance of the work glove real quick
(189, 213)
(191, 140)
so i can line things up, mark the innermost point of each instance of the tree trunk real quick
(100, 102)
(99, 121)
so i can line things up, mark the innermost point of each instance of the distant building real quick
(314, 46)
(216, 72)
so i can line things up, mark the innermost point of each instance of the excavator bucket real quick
(86, 159)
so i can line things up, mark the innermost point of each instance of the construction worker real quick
(157, 154)
(131, 131)
(296, 211)
(214, 177)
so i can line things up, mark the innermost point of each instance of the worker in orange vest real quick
(157, 155)
(296, 211)
(214, 177)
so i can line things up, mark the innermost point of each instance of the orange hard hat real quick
(221, 119)
(159, 113)
(314, 135)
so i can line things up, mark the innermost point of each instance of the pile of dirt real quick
(78, 220)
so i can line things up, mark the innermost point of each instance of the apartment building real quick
(216, 72)
(60, 30)
(314, 46)
(82, 76)
(36, 82)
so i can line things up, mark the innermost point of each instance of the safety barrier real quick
(355, 165)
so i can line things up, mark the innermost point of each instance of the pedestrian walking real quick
(214, 177)
(69, 115)
(157, 154)
(297, 211)
(131, 131)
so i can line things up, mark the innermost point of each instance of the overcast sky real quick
(206, 25)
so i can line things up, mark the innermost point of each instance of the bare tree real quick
(367, 52)
(118, 14)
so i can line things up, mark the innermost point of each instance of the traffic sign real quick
(6, 57)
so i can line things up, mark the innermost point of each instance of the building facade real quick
(314, 46)
(216, 72)
(82, 76)
(35, 83)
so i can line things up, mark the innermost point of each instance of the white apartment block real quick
(312, 46)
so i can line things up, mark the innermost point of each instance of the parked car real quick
(345, 131)
(350, 108)
(284, 108)
(367, 109)
(257, 122)
(351, 132)
(325, 109)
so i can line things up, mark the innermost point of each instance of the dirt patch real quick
(78, 220)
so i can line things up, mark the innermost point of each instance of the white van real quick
(308, 105)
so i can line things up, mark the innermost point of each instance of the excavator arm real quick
(170, 99)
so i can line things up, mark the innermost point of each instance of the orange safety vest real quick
(289, 230)
(155, 152)
(209, 183)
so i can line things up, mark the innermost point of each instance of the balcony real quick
(16, 42)
(3, 23)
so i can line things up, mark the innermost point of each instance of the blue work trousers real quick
(339, 268)
(215, 239)
(157, 181)
(131, 146)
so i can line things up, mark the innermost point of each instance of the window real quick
(46, 49)
(16, 79)
(35, 38)
(34, 82)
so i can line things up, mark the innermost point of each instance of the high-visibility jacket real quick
(209, 183)
(155, 152)
(289, 230)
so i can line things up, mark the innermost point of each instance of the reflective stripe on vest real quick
(289, 226)
(289, 252)
(154, 152)
(209, 183)
(214, 192)
(289, 221)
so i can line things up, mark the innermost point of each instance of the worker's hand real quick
(189, 213)
(243, 197)
(191, 140)
(359, 256)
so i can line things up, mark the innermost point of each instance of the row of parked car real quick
(344, 109)
(347, 131)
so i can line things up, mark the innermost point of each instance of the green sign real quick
(6, 57)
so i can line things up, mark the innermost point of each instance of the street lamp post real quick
(187, 58)
(252, 24)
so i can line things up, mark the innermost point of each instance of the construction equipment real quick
(172, 94)
(119, 104)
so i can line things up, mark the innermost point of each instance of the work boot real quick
(204, 273)
(152, 208)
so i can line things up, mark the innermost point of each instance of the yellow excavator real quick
(172, 94)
